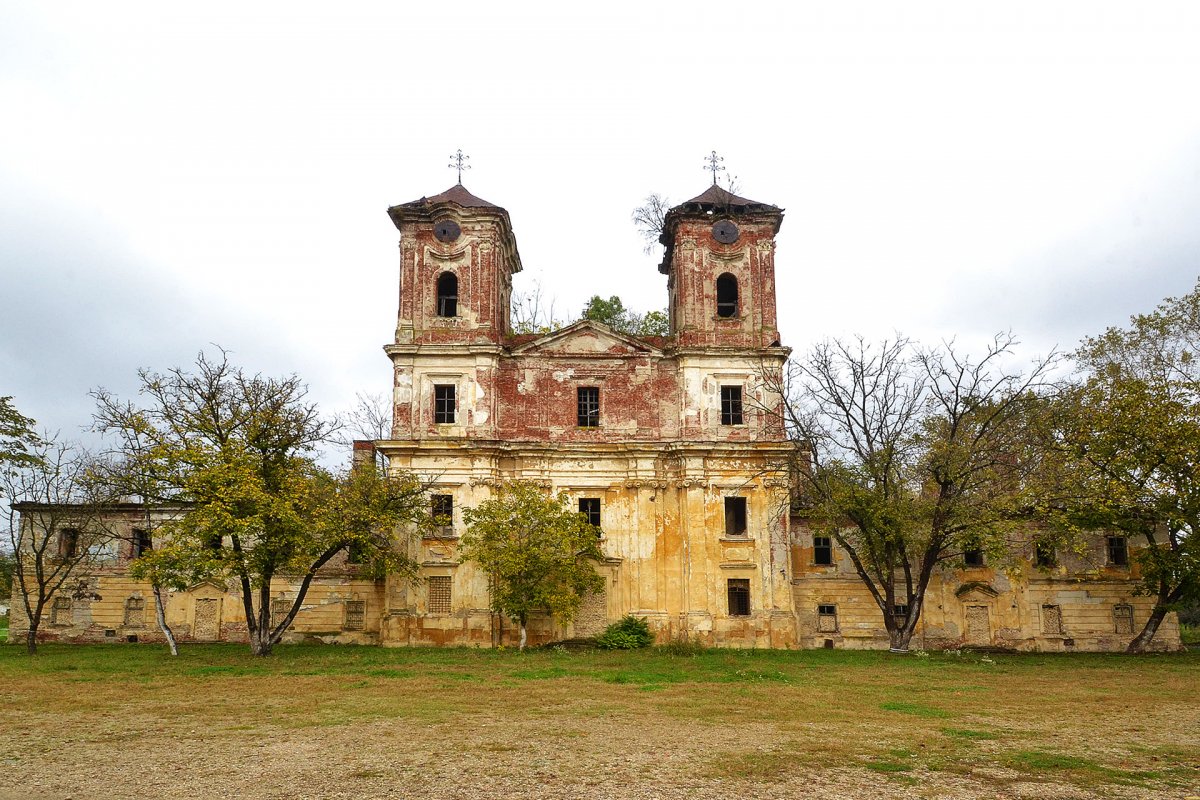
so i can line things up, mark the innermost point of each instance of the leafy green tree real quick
(239, 450)
(613, 313)
(537, 553)
(1131, 431)
(908, 457)
(16, 434)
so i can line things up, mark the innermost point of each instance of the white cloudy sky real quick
(171, 178)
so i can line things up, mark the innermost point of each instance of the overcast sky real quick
(173, 176)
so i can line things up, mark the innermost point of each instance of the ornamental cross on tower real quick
(713, 165)
(459, 162)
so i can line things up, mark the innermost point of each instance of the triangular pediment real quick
(976, 590)
(586, 338)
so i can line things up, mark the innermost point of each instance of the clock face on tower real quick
(725, 232)
(446, 230)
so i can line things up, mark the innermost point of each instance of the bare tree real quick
(907, 457)
(533, 312)
(370, 419)
(650, 218)
(56, 529)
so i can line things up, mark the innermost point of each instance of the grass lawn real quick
(129, 721)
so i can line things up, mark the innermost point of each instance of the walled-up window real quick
(731, 405)
(827, 618)
(135, 612)
(823, 551)
(1052, 619)
(439, 594)
(61, 613)
(900, 614)
(590, 508)
(727, 296)
(444, 403)
(973, 557)
(1118, 551)
(1123, 618)
(68, 542)
(447, 295)
(442, 510)
(735, 516)
(588, 406)
(356, 615)
(280, 606)
(739, 597)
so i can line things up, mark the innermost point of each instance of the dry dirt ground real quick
(128, 722)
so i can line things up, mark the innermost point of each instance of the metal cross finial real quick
(713, 161)
(458, 162)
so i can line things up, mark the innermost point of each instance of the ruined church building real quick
(668, 444)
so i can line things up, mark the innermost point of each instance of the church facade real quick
(672, 446)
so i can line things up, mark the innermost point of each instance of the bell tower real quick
(720, 268)
(457, 258)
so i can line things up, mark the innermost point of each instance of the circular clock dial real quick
(447, 230)
(725, 232)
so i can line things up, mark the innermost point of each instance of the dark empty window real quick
(823, 551)
(589, 406)
(739, 597)
(213, 541)
(731, 405)
(735, 516)
(142, 543)
(68, 543)
(973, 557)
(1118, 551)
(1043, 555)
(727, 296)
(443, 404)
(442, 510)
(590, 508)
(447, 295)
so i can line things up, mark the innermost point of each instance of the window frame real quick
(443, 394)
(827, 548)
(1123, 612)
(445, 594)
(1121, 551)
(738, 594)
(141, 542)
(442, 297)
(441, 506)
(134, 605)
(728, 308)
(731, 405)
(68, 543)
(973, 558)
(827, 611)
(587, 407)
(737, 510)
(354, 617)
(592, 512)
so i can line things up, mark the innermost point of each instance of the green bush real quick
(627, 633)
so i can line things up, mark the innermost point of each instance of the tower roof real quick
(713, 202)
(456, 194)
(714, 198)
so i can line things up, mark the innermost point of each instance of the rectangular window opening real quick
(900, 613)
(280, 606)
(739, 597)
(973, 557)
(444, 404)
(823, 551)
(356, 615)
(731, 405)
(61, 611)
(439, 594)
(590, 508)
(1123, 618)
(588, 406)
(1052, 619)
(827, 618)
(442, 511)
(1118, 551)
(142, 543)
(135, 612)
(68, 542)
(1043, 555)
(735, 516)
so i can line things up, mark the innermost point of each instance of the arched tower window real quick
(447, 295)
(727, 296)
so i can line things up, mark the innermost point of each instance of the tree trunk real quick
(1143, 639)
(161, 616)
(522, 645)
(899, 639)
(260, 642)
(31, 639)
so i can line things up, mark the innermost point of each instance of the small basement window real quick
(739, 597)
(735, 516)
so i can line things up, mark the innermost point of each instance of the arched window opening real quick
(447, 295)
(727, 296)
